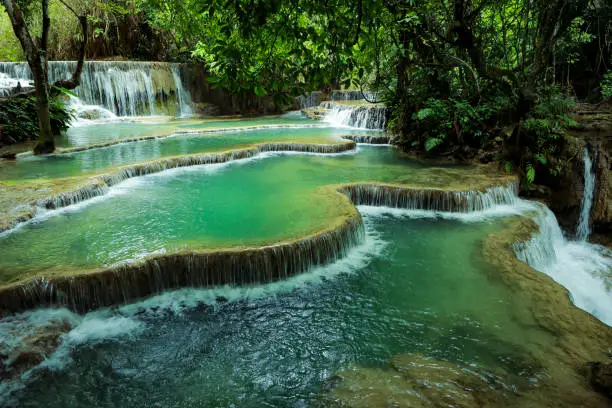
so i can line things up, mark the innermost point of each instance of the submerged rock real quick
(31, 348)
(600, 377)
(413, 380)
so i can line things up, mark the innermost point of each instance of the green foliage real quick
(544, 131)
(606, 85)
(10, 49)
(19, 119)
(456, 121)
(529, 174)
(549, 117)
(431, 143)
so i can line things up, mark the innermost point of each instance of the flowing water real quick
(355, 115)
(583, 229)
(115, 131)
(100, 159)
(277, 344)
(200, 206)
(583, 268)
(126, 88)
(416, 283)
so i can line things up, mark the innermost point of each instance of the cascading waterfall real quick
(364, 116)
(341, 95)
(184, 99)
(583, 230)
(310, 99)
(381, 195)
(7, 84)
(314, 98)
(124, 88)
(125, 282)
(584, 269)
(369, 139)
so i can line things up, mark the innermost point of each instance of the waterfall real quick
(310, 99)
(359, 116)
(582, 231)
(7, 84)
(341, 95)
(369, 139)
(584, 269)
(314, 98)
(184, 99)
(381, 195)
(123, 88)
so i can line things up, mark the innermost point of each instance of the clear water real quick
(277, 345)
(419, 283)
(202, 206)
(88, 133)
(583, 228)
(100, 159)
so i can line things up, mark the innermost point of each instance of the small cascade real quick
(358, 116)
(310, 99)
(315, 98)
(184, 99)
(583, 230)
(369, 139)
(431, 199)
(584, 269)
(8, 84)
(342, 95)
(123, 88)
(126, 282)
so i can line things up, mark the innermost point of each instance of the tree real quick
(35, 51)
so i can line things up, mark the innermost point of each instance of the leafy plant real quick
(19, 119)
(606, 85)
(544, 130)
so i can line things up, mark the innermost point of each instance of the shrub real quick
(544, 131)
(19, 119)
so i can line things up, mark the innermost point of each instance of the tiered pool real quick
(425, 283)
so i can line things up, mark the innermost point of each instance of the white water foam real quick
(497, 211)
(583, 229)
(584, 269)
(126, 322)
(128, 88)
(360, 117)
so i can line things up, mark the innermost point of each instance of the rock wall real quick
(567, 188)
(601, 214)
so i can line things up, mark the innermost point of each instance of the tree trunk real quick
(46, 142)
(37, 61)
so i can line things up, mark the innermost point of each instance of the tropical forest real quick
(332, 203)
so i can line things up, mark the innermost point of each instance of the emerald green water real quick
(100, 133)
(417, 286)
(97, 160)
(203, 206)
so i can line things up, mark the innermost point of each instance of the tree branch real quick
(75, 80)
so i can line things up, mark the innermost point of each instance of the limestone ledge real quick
(85, 290)
(20, 200)
(194, 131)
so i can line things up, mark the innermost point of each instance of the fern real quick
(432, 142)
(530, 174)
(425, 113)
